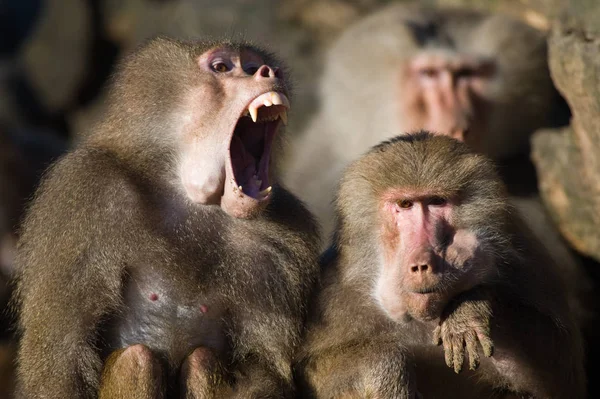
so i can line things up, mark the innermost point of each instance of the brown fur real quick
(353, 348)
(114, 254)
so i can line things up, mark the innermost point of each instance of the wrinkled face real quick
(426, 261)
(447, 94)
(231, 121)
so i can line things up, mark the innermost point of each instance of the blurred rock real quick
(325, 19)
(536, 13)
(567, 160)
(131, 21)
(54, 57)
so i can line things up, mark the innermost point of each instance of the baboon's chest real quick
(171, 313)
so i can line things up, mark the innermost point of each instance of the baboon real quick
(429, 252)
(162, 238)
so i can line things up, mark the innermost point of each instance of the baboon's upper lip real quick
(273, 105)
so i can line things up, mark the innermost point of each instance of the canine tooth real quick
(286, 102)
(253, 113)
(240, 188)
(266, 191)
(276, 99)
(284, 118)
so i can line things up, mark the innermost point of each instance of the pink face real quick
(234, 116)
(447, 96)
(426, 260)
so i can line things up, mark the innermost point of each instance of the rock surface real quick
(568, 160)
(54, 56)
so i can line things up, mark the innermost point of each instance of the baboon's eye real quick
(220, 66)
(464, 73)
(428, 72)
(405, 204)
(437, 201)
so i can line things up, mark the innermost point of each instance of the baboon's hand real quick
(465, 324)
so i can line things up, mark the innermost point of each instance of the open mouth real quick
(251, 142)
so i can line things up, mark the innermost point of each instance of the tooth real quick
(276, 99)
(286, 102)
(284, 118)
(253, 113)
(266, 191)
(267, 103)
(240, 187)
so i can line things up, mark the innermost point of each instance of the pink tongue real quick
(244, 164)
